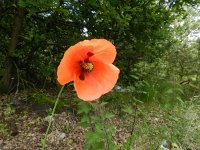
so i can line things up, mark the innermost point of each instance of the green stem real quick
(99, 111)
(51, 119)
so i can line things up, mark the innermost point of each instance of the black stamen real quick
(81, 76)
(86, 60)
(89, 54)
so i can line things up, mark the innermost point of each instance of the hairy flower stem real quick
(51, 118)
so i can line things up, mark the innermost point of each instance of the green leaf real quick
(85, 121)
(22, 3)
(128, 110)
(84, 107)
(108, 115)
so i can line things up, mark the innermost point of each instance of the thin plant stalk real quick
(51, 118)
(99, 111)
(133, 125)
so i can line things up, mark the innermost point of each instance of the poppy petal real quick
(88, 89)
(103, 50)
(70, 63)
(106, 75)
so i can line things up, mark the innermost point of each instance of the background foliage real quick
(34, 35)
(158, 91)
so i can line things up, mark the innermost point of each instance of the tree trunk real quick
(6, 82)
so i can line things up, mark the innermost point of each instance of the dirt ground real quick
(26, 125)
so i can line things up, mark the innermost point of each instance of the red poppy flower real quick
(89, 64)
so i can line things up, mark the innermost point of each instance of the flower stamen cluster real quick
(86, 66)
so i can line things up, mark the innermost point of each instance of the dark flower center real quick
(86, 66)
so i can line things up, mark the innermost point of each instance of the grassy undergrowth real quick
(159, 117)
(153, 116)
(172, 122)
(175, 124)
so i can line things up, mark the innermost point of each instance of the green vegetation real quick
(42, 99)
(158, 91)
(4, 133)
(36, 33)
